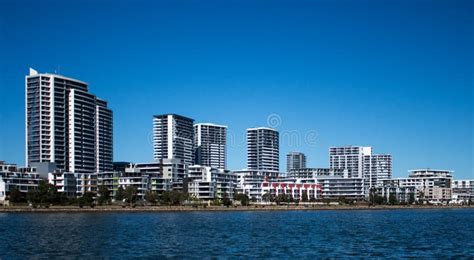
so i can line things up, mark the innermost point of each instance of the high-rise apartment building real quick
(350, 158)
(361, 163)
(104, 133)
(63, 125)
(295, 161)
(210, 145)
(173, 137)
(263, 149)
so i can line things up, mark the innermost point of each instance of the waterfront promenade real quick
(117, 208)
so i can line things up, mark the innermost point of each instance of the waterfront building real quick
(298, 189)
(433, 186)
(350, 158)
(249, 182)
(133, 177)
(295, 161)
(210, 145)
(403, 194)
(263, 152)
(104, 136)
(463, 191)
(336, 187)
(109, 180)
(73, 185)
(314, 173)
(206, 183)
(11, 176)
(360, 162)
(66, 125)
(173, 137)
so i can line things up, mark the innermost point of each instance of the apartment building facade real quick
(61, 124)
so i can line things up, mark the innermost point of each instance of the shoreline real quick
(102, 209)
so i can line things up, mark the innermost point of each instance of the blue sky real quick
(394, 75)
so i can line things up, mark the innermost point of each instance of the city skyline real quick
(414, 102)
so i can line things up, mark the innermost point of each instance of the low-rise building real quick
(463, 191)
(74, 185)
(298, 188)
(12, 176)
(335, 187)
(249, 182)
(208, 183)
(433, 186)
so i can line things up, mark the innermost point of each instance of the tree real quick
(342, 200)
(243, 198)
(304, 196)
(268, 197)
(103, 195)
(379, 200)
(282, 198)
(87, 199)
(44, 195)
(226, 201)
(120, 194)
(16, 195)
(392, 199)
(411, 199)
(421, 196)
(372, 196)
(151, 197)
(131, 194)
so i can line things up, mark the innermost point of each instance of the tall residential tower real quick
(263, 152)
(359, 162)
(295, 160)
(210, 145)
(66, 125)
(173, 137)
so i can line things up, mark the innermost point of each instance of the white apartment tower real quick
(173, 137)
(295, 160)
(63, 125)
(263, 150)
(361, 163)
(350, 158)
(210, 145)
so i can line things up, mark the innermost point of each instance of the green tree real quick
(120, 194)
(243, 198)
(379, 200)
(226, 201)
(16, 195)
(392, 199)
(103, 195)
(342, 200)
(304, 196)
(267, 197)
(282, 198)
(151, 197)
(411, 199)
(421, 197)
(44, 195)
(87, 199)
(131, 194)
(372, 196)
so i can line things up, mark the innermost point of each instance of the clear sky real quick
(394, 75)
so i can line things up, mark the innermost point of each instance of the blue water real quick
(372, 233)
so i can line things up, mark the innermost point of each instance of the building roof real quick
(262, 128)
(175, 115)
(211, 124)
